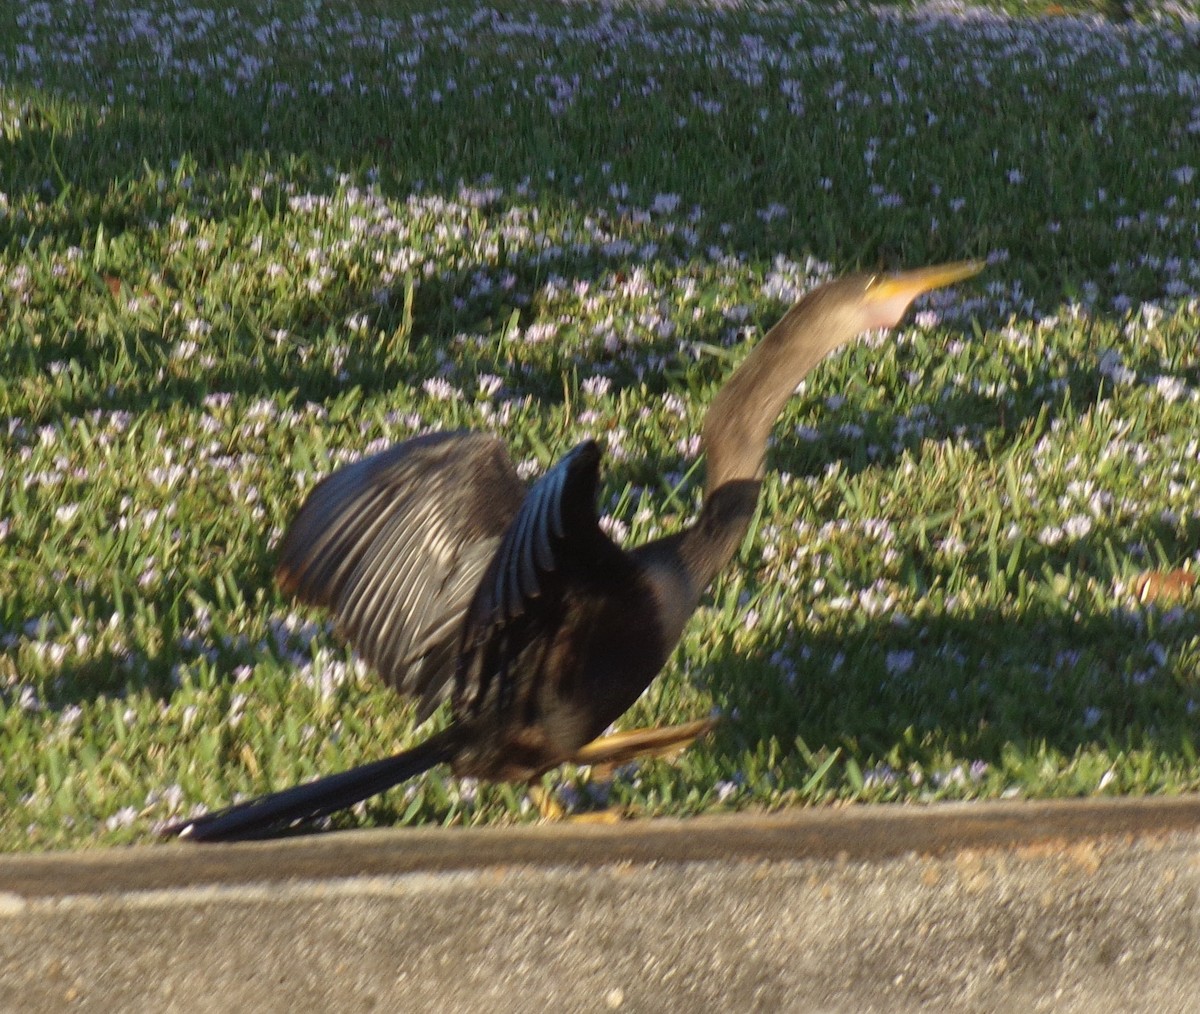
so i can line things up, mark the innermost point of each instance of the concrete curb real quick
(864, 833)
(1079, 905)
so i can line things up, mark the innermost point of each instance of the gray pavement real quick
(1090, 905)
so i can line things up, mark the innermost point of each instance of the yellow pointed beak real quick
(887, 296)
(907, 285)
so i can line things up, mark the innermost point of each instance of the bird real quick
(453, 579)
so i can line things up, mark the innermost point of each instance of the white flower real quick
(597, 386)
(440, 389)
(664, 204)
(1051, 535)
(1170, 388)
(541, 331)
(122, 818)
(1110, 366)
(616, 530)
(489, 384)
(1078, 526)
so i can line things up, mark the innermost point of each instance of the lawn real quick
(244, 243)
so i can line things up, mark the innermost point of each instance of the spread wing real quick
(395, 546)
(552, 560)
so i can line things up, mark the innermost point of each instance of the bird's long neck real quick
(745, 409)
(743, 414)
(735, 444)
(740, 421)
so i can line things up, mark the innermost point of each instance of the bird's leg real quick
(622, 747)
(608, 752)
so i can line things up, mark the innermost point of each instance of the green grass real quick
(238, 249)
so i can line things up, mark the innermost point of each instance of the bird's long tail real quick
(275, 812)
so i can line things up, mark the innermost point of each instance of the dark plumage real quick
(450, 578)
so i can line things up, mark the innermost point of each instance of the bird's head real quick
(746, 407)
(879, 301)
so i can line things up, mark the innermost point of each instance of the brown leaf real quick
(1162, 585)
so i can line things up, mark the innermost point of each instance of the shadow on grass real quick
(1043, 674)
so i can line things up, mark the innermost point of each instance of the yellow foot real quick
(609, 752)
(548, 807)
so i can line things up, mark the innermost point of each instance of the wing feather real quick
(552, 545)
(395, 546)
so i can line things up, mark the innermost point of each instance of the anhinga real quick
(450, 577)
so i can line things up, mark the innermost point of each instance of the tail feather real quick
(274, 813)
